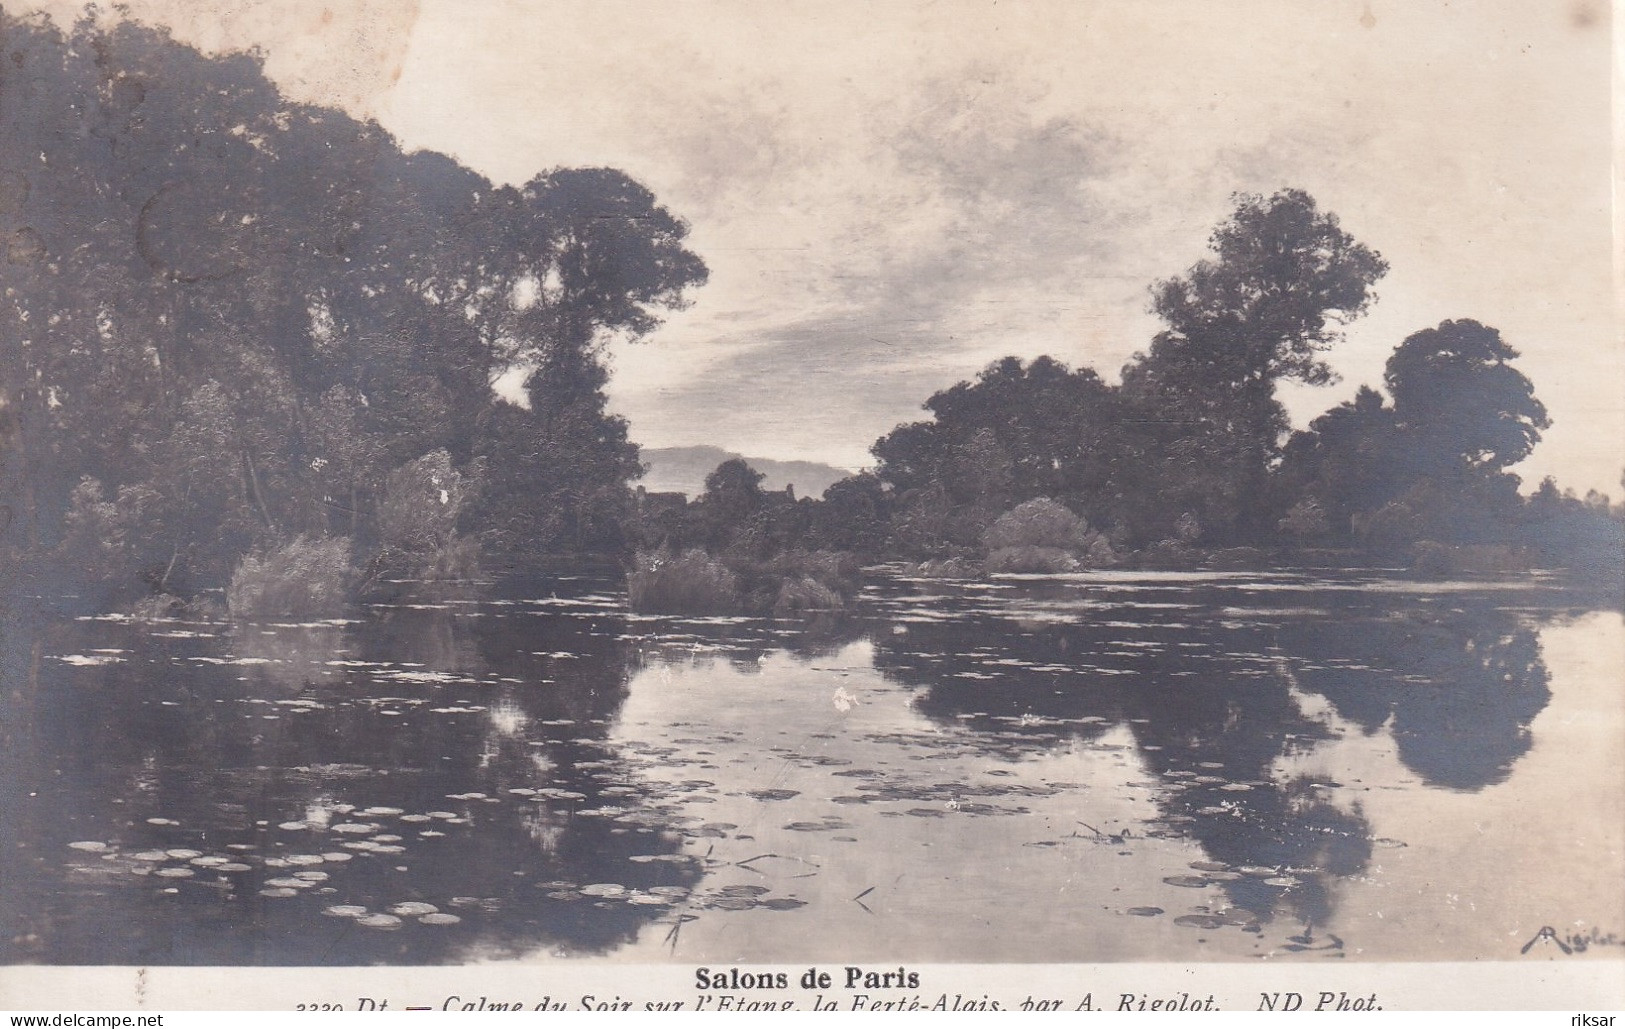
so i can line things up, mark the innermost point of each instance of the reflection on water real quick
(1078, 768)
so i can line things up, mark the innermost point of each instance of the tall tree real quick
(1459, 405)
(1270, 301)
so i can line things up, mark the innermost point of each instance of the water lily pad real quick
(356, 828)
(175, 873)
(279, 892)
(1188, 881)
(379, 921)
(1209, 866)
(743, 890)
(774, 794)
(149, 855)
(413, 908)
(1145, 912)
(603, 890)
(337, 855)
(210, 861)
(669, 891)
(311, 876)
(439, 918)
(782, 903)
(733, 903)
(416, 818)
(383, 812)
(293, 826)
(162, 821)
(344, 910)
(234, 866)
(1200, 921)
(288, 883)
(304, 859)
(90, 846)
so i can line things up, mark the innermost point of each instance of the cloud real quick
(928, 241)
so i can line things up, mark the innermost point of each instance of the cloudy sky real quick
(891, 194)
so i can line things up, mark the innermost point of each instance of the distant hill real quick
(683, 470)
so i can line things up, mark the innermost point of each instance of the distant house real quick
(653, 505)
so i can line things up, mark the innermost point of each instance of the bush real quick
(1249, 559)
(107, 539)
(690, 583)
(1101, 553)
(420, 504)
(1168, 554)
(1040, 523)
(1306, 521)
(1433, 560)
(458, 559)
(1044, 537)
(836, 569)
(948, 568)
(307, 578)
(806, 594)
(1439, 560)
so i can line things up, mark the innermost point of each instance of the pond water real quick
(1101, 767)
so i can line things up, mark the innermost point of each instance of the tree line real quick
(1035, 466)
(243, 335)
(248, 346)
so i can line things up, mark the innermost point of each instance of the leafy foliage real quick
(304, 578)
(252, 321)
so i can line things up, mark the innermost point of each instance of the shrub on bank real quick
(688, 583)
(949, 568)
(1039, 523)
(836, 569)
(304, 579)
(1435, 560)
(1044, 537)
(806, 594)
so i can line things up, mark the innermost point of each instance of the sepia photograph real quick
(720, 488)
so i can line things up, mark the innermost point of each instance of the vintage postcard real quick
(922, 505)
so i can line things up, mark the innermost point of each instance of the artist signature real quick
(1572, 943)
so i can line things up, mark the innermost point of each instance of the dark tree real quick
(1018, 432)
(1459, 405)
(1282, 280)
(1348, 461)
